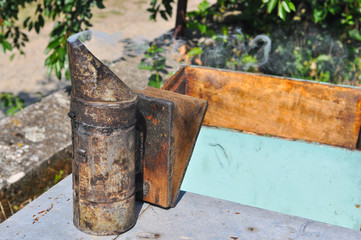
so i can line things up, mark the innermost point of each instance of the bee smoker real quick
(103, 116)
(125, 143)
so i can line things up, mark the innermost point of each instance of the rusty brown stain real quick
(357, 205)
(42, 213)
(207, 84)
(148, 235)
(336, 101)
(35, 220)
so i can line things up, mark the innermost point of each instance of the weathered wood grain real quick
(295, 109)
(171, 123)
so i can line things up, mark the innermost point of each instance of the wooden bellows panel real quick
(294, 109)
(168, 125)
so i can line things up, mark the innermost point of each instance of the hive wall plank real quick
(277, 106)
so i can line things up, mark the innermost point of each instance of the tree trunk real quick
(180, 24)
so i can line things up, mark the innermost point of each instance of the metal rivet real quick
(71, 114)
(82, 153)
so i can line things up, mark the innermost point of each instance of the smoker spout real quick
(91, 79)
(103, 116)
(97, 90)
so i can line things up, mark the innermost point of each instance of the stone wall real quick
(34, 138)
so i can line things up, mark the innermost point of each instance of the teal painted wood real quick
(309, 180)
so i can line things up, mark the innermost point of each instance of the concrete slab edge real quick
(33, 139)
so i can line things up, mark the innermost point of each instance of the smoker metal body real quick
(103, 120)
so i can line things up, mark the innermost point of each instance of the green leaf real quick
(202, 28)
(319, 14)
(58, 176)
(49, 70)
(153, 3)
(145, 66)
(25, 37)
(211, 33)
(325, 76)
(195, 51)
(156, 49)
(355, 34)
(47, 62)
(99, 4)
(47, 12)
(225, 31)
(168, 7)
(53, 58)
(12, 110)
(58, 29)
(193, 24)
(159, 64)
(39, 9)
(271, 5)
(58, 70)
(291, 6)
(324, 58)
(41, 21)
(61, 53)
(152, 17)
(163, 15)
(25, 23)
(7, 45)
(6, 23)
(203, 6)
(67, 74)
(30, 26)
(53, 44)
(19, 102)
(281, 12)
(37, 27)
(12, 56)
(285, 6)
(155, 81)
(68, 7)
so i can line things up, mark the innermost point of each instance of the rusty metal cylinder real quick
(103, 116)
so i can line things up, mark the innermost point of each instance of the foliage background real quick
(316, 40)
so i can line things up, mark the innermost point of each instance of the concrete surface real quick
(194, 217)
